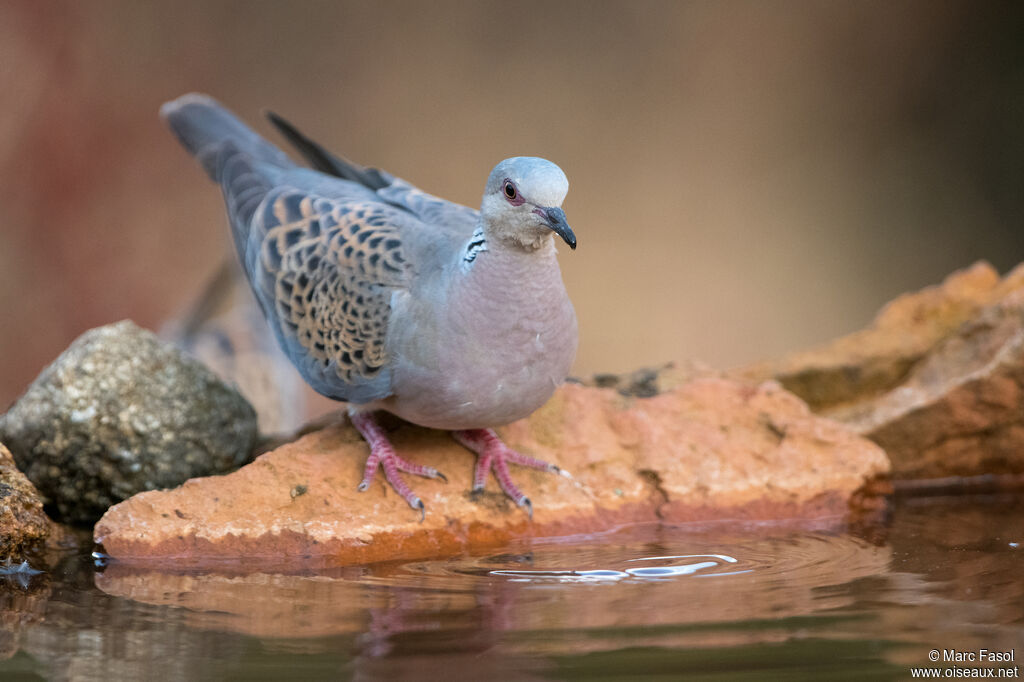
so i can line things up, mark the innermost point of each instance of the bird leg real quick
(382, 454)
(493, 455)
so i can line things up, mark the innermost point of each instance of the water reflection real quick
(943, 573)
(777, 575)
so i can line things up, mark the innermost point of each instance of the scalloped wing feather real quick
(324, 270)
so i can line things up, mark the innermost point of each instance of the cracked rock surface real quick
(712, 448)
(937, 379)
(120, 412)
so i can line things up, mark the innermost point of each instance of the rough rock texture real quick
(878, 358)
(937, 380)
(120, 412)
(960, 411)
(23, 524)
(711, 449)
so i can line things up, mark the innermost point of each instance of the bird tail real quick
(233, 155)
(206, 129)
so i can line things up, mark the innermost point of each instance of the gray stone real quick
(120, 412)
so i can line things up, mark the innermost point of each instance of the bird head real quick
(522, 203)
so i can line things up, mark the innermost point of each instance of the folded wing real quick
(324, 271)
(395, 191)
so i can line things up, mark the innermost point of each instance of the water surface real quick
(708, 601)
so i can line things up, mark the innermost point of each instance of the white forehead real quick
(539, 180)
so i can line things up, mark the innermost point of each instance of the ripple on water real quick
(632, 581)
(668, 567)
(770, 554)
(943, 573)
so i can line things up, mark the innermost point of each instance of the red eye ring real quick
(511, 194)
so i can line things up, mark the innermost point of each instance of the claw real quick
(493, 456)
(438, 474)
(382, 455)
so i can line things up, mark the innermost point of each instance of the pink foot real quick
(495, 455)
(382, 454)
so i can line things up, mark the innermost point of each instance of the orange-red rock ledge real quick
(713, 448)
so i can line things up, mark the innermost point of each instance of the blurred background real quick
(747, 178)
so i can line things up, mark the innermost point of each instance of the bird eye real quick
(510, 189)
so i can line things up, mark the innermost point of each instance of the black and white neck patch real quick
(477, 244)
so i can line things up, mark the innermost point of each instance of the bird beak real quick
(555, 219)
